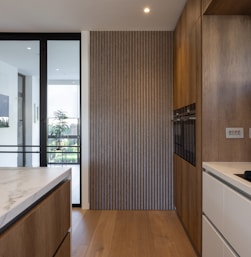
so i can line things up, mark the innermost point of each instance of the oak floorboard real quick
(128, 234)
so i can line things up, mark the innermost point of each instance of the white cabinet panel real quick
(213, 244)
(237, 226)
(228, 252)
(213, 200)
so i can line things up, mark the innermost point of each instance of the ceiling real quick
(81, 15)
(75, 16)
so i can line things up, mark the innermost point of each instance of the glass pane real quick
(63, 99)
(19, 103)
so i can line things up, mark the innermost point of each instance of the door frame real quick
(43, 38)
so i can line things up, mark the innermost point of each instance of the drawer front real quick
(65, 248)
(212, 243)
(41, 231)
(237, 226)
(213, 200)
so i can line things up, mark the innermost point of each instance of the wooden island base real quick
(44, 230)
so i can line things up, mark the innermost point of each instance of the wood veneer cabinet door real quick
(227, 7)
(187, 197)
(65, 248)
(205, 4)
(187, 90)
(187, 56)
(40, 232)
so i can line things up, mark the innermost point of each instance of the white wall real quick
(8, 136)
(85, 85)
(32, 119)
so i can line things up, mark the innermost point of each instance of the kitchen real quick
(211, 69)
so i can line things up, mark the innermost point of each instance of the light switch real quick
(235, 133)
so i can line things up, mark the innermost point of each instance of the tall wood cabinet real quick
(187, 90)
(212, 63)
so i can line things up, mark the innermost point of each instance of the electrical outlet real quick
(235, 133)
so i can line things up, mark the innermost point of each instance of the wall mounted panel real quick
(130, 116)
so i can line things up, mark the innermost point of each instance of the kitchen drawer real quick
(65, 248)
(237, 226)
(213, 244)
(229, 211)
(213, 191)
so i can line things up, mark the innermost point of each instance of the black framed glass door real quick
(19, 93)
(35, 71)
(63, 108)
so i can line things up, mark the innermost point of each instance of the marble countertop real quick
(227, 170)
(21, 187)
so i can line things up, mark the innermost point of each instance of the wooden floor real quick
(128, 234)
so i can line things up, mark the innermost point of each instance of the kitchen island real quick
(35, 212)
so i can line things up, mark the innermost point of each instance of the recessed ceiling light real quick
(28, 48)
(57, 69)
(146, 10)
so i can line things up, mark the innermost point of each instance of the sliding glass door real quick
(19, 103)
(40, 103)
(63, 109)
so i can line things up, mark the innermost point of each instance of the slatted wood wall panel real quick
(130, 117)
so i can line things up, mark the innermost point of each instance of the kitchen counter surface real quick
(22, 187)
(227, 170)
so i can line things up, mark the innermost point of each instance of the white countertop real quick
(226, 171)
(21, 187)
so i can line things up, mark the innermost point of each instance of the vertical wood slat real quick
(130, 112)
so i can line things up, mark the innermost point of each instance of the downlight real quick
(146, 10)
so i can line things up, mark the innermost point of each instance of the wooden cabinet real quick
(227, 7)
(187, 90)
(188, 199)
(65, 248)
(187, 58)
(43, 229)
(205, 4)
(211, 68)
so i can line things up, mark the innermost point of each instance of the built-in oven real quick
(184, 120)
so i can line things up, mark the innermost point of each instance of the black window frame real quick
(43, 38)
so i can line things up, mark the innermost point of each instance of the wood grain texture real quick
(227, 7)
(187, 197)
(65, 247)
(188, 90)
(129, 233)
(187, 55)
(41, 231)
(205, 4)
(226, 86)
(130, 114)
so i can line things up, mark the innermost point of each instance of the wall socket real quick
(235, 133)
